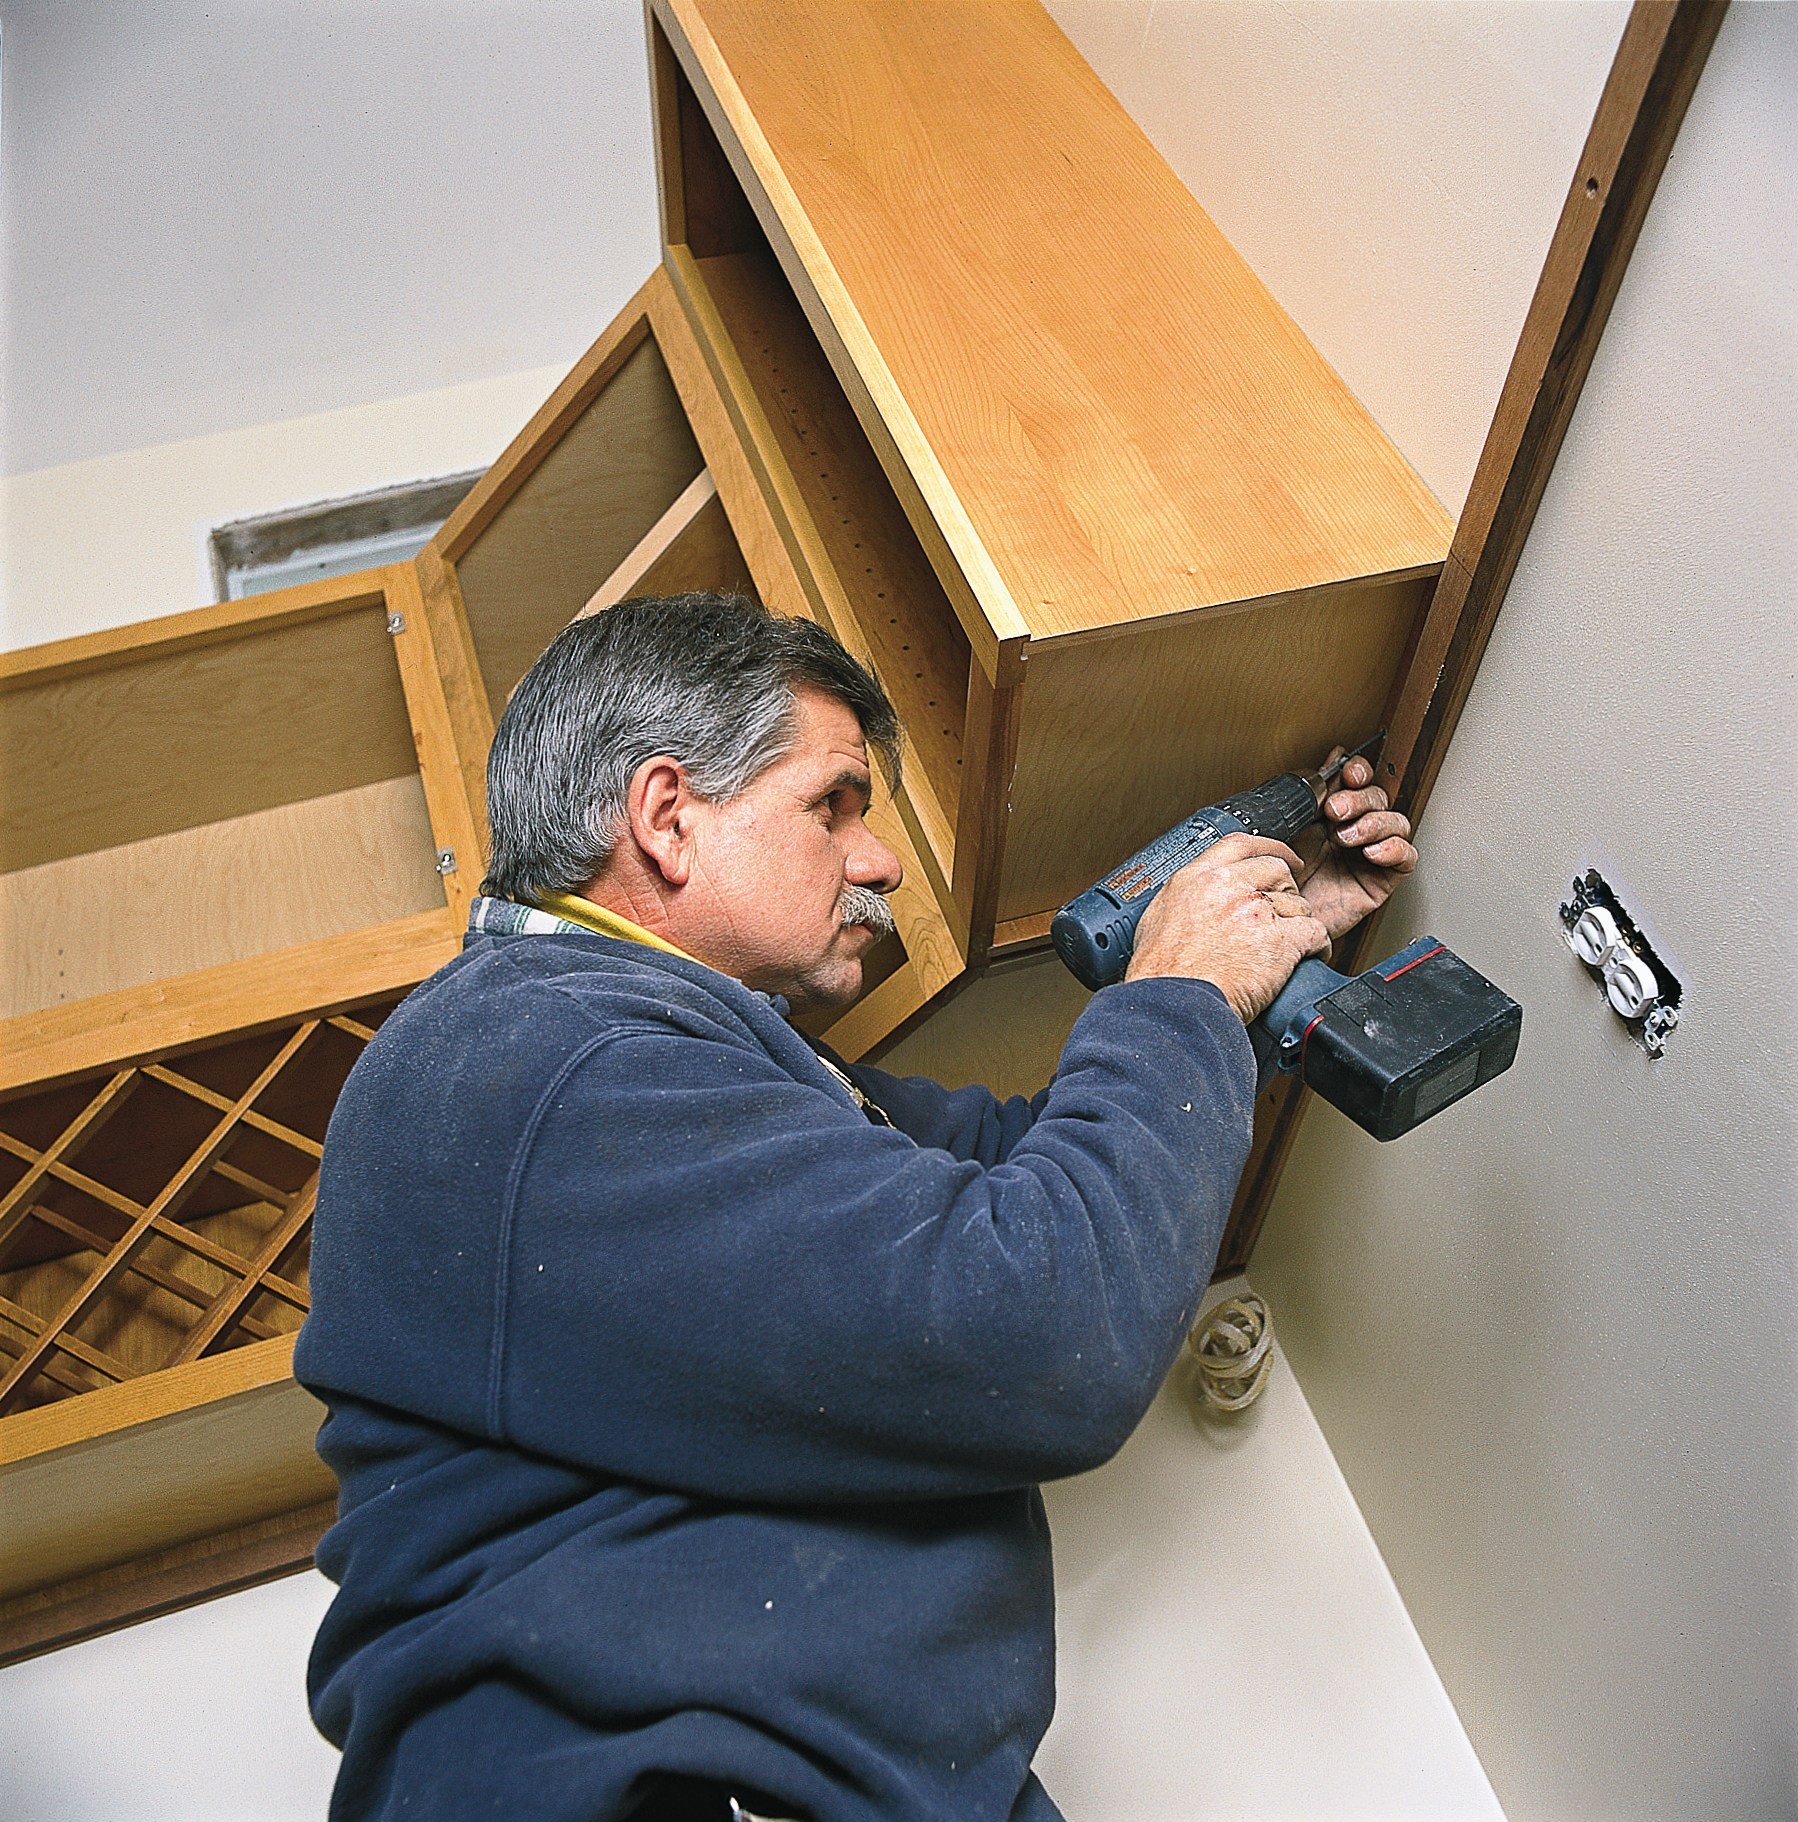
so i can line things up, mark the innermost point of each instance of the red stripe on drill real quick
(1319, 1019)
(1440, 947)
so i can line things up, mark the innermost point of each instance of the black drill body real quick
(1389, 1047)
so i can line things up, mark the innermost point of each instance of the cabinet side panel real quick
(1123, 736)
(584, 506)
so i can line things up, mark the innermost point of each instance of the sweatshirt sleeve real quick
(717, 1279)
(970, 1123)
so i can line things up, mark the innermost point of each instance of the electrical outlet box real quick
(1636, 982)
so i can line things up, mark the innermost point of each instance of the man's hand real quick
(1367, 852)
(1234, 917)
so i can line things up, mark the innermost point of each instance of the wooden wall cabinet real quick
(940, 354)
(1042, 447)
(231, 839)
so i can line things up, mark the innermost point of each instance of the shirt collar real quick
(586, 915)
(560, 914)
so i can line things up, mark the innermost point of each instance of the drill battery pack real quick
(1399, 1043)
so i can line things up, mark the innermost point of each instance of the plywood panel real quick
(1106, 412)
(689, 548)
(705, 555)
(1122, 736)
(139, 1467)
(198, 897)
(574, 517)
(168, 1018)
(162, 740)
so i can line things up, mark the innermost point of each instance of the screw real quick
(396, 623)
(446, 860)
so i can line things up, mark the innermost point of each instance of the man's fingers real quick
(1243, 847)
(1345, 806)
(1376, 826)
(1261, 873)
(1396, 855)
(1286, 897)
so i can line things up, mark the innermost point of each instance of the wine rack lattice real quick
(161, 1211)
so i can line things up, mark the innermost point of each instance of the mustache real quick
(860, 906)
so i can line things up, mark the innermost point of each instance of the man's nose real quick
(875, 865)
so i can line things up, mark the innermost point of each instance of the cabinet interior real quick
(172, 808)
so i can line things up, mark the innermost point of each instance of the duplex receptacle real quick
(1637, 984)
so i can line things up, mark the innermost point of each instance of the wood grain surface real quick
(456, 809)
(222, 892)
(552, 420)
(222, 622)
(631, 577)
(583, 498)
(161, 736)
(705, 555)
(459, 675)
(1107, 414)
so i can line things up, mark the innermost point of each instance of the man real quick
(689, 1393)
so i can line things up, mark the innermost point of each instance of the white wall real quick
(1231, 1644)
(1552, 1337)
(218, 216)
(1392, 169)
(196, 1717)
(122, 537)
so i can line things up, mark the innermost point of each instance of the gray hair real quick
(707, 679)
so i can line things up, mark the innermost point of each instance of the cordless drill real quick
(1389, 1047)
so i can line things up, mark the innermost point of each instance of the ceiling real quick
(227, 213)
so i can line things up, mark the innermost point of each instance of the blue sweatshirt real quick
(689, 1422)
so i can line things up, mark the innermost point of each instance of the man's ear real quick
(660, 812)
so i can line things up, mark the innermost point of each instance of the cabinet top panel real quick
(1105, 411)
